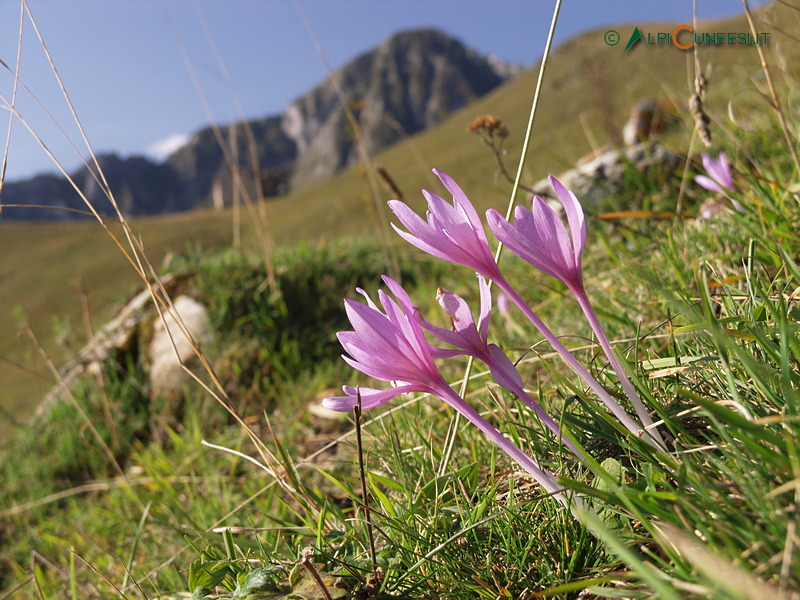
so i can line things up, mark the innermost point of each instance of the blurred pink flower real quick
(719, 180)
(502, 304)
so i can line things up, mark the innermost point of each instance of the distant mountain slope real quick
(411, 82)
(46, 264)
(140, 186)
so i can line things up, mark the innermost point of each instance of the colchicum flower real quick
(538, 236)
(390, 345)
(472, 339)
(719, 179)
(455, 233)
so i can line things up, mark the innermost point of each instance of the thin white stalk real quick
(510, 385)
(582, 372)
(627, 386)
(531, 118)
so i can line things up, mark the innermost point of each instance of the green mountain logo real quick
(636, 36)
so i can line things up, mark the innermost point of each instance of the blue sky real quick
(122, 61)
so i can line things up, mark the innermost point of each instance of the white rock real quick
(165, 354)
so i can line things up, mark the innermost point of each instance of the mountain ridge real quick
(408, 83)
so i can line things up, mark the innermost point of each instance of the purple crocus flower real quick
(455, 233)
(539, 237)
(390, 345)
(472, 339)
(719, 179)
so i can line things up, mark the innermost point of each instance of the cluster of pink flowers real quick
(390, 344)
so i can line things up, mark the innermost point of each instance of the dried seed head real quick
(388, 182)
(701, 84)
(701, 119)
(488, 124)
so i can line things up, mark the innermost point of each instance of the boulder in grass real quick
(598, 176)
(169, 346)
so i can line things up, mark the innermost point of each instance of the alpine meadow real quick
(446, 328)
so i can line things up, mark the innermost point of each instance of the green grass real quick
(709, 313)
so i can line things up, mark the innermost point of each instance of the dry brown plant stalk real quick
(776, 102)
(491, 132)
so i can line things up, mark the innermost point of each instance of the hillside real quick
(588, 84)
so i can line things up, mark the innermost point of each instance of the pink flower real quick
(390, 345)
(719, 180)
(453, 232)
(472, 339)
(502, 304)
(539, 237)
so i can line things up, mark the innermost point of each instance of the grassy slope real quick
(46, 262)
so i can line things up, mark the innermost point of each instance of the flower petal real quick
(539, 237)
(486, 308)
(445, 335)
(709, 184)
(575, 218)
(460, 199)
(503, 370)
(370, 398)
(452, 232)
(553, 235)
(522, 238)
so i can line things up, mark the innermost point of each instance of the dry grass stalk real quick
(776, 103)
(388, 182)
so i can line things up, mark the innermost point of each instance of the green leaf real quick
(201, 593)
(208, 574)
(615, 471)
(265, 579)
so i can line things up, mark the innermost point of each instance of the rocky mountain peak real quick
(413, 80)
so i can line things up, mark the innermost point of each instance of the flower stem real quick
(544, 478)
(508, 384)
(576, 366)
(627, 386)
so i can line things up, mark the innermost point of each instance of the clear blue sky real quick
(121, 60)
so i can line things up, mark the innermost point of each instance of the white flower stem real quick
(508, 384)
(627, 386)
(631, 425)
